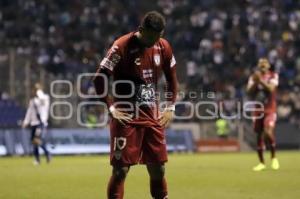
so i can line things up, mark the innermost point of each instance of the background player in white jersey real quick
(37, 118)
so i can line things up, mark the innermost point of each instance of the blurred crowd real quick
(217, 43)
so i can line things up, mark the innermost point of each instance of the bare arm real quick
(100, 80)
(269, 86)
(169, 69)
(29, 111)
(251, 85)
(171, 84)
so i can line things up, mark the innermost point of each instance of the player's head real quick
(263, 65)
(151, 28)
(38, 86)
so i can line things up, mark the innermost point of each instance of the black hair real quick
(154, 21)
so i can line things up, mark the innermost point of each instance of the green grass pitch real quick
(190, 176)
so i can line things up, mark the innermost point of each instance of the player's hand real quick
(256, 77)
(24, 125)
(122, 117)
(166, 117)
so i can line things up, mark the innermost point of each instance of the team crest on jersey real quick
(115, 58)
(156, 59)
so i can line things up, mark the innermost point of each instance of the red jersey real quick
(264, 96)
(128, 60)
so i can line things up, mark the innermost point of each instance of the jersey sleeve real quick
(275, 80)
(28, 114)
(250, 82)
(45, 101)
(104, 70)
(169, 69)
(112, 58)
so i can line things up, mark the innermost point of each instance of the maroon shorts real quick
(268, 120)
(131, 145)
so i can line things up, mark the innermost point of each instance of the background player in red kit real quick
(262, 87)
(137, 126)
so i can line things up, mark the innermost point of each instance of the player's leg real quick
(35, 146)
(258, 128)
(36, 154)
(269, 126)
(154, 156)
(115, 189)
(260, 146)
(158, 184)
(44, 147)
(125, 149)
(269, 133)
(47, 153)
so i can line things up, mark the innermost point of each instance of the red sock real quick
(260, 149)
(260, 153)
(115, 189)
(158, 189)
(272, 142)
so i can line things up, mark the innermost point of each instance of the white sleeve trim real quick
(111, 60)
(275, 80)
(173, 61)
(106, 63)
(250, 82)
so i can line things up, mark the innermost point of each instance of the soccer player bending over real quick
(137, 126)
(262, 87)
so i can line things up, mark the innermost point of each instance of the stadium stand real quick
(11, 114)
(214, 42)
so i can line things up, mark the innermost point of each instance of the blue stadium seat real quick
(10, 114)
